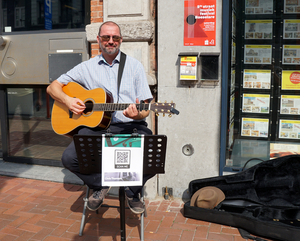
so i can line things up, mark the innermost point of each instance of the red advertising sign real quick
(199, 22)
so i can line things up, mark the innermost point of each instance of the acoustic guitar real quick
(99, 108)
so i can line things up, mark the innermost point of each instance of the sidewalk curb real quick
(46, 173)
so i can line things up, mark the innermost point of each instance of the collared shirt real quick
(97, 73)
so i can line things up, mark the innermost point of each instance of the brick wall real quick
(96, 17)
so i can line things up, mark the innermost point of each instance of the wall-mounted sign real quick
(200, 22)
(188, 68)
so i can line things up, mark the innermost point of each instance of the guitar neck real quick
(118, 107)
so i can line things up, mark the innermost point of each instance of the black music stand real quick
(89, 154)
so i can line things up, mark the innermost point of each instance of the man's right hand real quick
(75, 105)
(55, 89)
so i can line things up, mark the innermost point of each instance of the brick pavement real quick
(49, 211)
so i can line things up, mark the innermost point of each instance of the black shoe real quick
(96, 199)
(135, 205)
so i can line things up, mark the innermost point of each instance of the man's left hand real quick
(132, 112)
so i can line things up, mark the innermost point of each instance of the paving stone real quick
(49, 211)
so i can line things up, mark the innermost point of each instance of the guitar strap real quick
(120, 71)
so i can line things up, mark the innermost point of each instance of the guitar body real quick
(64, 123)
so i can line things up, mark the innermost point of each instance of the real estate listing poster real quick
(291, 29)
(256, 103)
(258, 29)
(258, 6)
(291, 54)
(290, 104)
(291, 6)
(256, 79)
(255, 127)
(289, 129)
(258, 54)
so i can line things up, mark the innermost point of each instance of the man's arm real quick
(133, 113)
(56, 92)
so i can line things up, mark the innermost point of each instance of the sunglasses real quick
(115, 38)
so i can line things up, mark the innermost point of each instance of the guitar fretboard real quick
(117, 107)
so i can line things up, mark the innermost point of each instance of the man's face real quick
(110, 46)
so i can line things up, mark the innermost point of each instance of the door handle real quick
(2, 41)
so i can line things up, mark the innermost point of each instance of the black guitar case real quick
(263, 200)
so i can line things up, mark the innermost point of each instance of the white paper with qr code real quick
(122, 160)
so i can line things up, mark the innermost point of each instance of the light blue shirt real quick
(97, 73)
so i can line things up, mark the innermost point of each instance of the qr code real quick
(122, 159)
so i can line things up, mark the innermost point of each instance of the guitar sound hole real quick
(88, 107)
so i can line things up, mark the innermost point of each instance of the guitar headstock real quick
(165, 108)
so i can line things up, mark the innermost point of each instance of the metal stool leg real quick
(122, 213)
(84, 210)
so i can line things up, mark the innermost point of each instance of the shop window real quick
(20, 17)
(30, 131)
(23, 15)
(264, 87)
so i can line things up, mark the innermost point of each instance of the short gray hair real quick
(109, 23)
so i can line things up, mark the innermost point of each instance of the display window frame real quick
(258, 54)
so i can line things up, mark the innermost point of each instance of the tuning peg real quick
(172, 101)
(157, 114)
(170, 115)
(164, 114)
(158, 101)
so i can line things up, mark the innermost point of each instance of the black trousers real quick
(93, 181)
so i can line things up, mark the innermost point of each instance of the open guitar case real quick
(263, 200)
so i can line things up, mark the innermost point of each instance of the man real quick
(101, 72)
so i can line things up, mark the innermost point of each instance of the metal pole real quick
(224, 97)
(84, 210)
(122, 212)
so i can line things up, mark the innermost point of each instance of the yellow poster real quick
(290, 80)
(188, 68)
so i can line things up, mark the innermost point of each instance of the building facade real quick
(230, 66)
